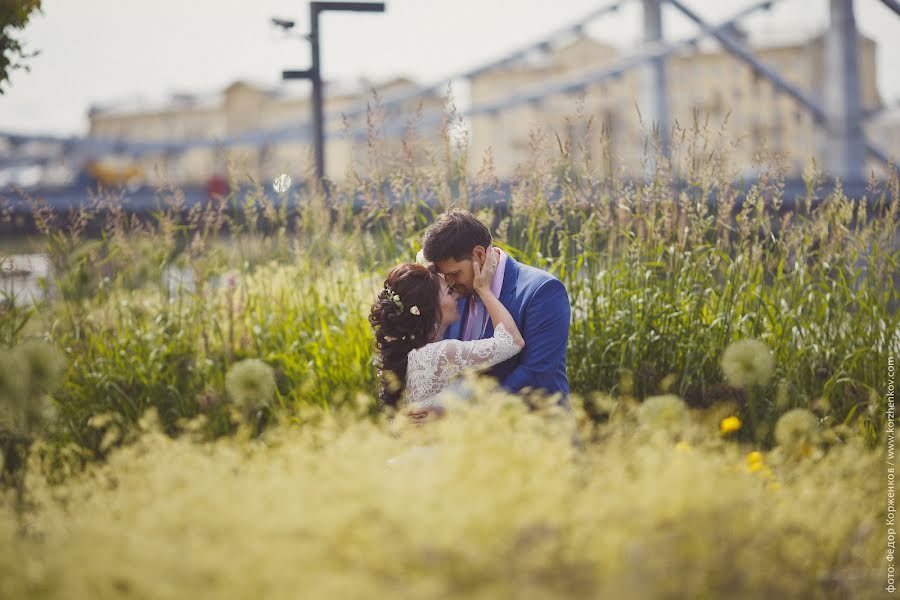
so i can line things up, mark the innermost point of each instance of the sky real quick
(106, 51)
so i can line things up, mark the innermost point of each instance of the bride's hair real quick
(404, 316)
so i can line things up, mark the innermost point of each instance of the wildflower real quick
(250, 383)
(755, 461)
(729, 424)
(665, 412)
(747, 363)
(797, 429)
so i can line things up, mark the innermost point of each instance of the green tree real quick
(14, 15)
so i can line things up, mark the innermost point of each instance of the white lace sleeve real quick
(433, 366)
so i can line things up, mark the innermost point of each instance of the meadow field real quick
(190, 410)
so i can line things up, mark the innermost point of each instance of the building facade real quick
(705, 86)
(274, 125)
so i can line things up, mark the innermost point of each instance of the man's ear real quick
(479, 253)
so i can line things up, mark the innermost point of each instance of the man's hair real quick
(454, 235)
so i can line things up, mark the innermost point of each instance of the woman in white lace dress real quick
(410, 317)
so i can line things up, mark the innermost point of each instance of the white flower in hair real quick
(415, 310)
(420, 258)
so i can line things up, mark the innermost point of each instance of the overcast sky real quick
(101, 51)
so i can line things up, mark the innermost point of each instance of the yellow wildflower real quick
(729, 424)
(683, 446)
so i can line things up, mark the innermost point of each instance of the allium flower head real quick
(747, 363)
(797, 428)
(665, 412)
(250, 383)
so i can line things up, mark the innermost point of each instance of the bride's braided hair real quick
(403, 316)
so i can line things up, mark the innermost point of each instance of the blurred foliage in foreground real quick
(496, 501)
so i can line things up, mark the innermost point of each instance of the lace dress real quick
(433, 366)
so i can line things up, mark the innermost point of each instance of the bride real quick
(410, 317)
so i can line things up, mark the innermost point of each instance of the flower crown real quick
(394, 297)
(389, 294)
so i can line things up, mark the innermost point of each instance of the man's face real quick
(459, 273)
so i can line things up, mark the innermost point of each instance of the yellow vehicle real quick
(115, 175)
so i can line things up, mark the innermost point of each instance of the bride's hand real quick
(419, 415)
(484, 274)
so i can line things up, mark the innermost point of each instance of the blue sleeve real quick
(546, 335)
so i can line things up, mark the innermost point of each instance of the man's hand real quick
(419, 415)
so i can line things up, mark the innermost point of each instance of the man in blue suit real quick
(536, 299)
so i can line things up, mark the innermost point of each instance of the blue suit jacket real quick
(539, 305)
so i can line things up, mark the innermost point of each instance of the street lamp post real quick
(314, 73)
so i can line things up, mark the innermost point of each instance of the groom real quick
(537, 301)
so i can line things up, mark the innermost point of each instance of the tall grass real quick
(664, 272)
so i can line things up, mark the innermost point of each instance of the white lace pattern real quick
(435, 365)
